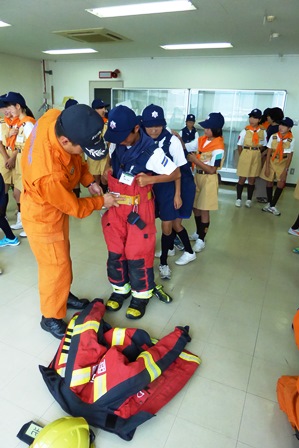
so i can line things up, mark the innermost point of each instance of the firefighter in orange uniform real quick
(52, 166)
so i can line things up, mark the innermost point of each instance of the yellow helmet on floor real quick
(66, 432)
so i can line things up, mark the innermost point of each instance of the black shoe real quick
(57, 327)
(75, 303)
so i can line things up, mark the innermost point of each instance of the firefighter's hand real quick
(143, 179)
(111, 200)
(95, 189)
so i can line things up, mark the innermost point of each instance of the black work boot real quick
(76, 303)
(115, 301)
(57, 327)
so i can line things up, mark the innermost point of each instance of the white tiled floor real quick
(238, 297)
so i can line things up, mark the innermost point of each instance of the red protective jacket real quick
(117, 378)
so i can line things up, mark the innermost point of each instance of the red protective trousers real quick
(131, 250)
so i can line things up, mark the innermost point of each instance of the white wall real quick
(254, 72)
(23, 76)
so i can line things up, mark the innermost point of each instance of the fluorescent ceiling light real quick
(4, 24)
(76, 51)
(197, 46)
(142, 8)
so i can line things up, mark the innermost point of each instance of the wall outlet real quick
(292, 171)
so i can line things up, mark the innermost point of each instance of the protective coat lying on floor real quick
(117, 378)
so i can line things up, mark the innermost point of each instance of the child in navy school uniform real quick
(174, 200)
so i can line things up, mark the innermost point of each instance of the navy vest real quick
(187, 135)
(133, 159)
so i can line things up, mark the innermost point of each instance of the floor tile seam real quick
(207, 427)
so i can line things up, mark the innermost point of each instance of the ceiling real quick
(240, 22)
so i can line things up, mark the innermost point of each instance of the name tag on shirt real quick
(126, 178)
(20, 139)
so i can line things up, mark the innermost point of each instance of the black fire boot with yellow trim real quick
(136, 309)
(159, 292)
(116, 300)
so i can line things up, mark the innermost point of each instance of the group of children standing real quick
(15, 128)
(265, 151)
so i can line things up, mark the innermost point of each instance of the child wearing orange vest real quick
(207, 160)
(251, 141)
(279, 157)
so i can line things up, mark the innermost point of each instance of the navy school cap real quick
(2, 104)
(83, 126)
(152, 116)
(287, 121)
(121, 122)
(99, 104)
(13, 98)
(255, 113)
(70, 102)
(215, 120)
(190, 117)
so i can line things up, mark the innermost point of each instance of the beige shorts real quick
(276, 169)
(249, 164)
(206, 195)
(8, 175)
(296, 192)
(96, 167)
(18, 173)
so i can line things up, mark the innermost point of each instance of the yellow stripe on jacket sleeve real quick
(153, 370)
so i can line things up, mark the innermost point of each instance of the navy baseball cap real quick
(190, 117)
(70, 102)
(83, 126)
(256, 113)
(99, 104)
(2, 104)
(152, 116)
(287, 121)
(121, 122)
(215, 120)
(13, 98)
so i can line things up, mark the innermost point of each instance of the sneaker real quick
(178, 243)
(165, 271)
(0, 271)
(186, 258)
(274, 211)
(57, 327)
(296, 250)
(266, 208)
(7, 242)
(248, 203)
(294, 232)
(238, 203)
(193, 237)
(199, 245)
(159, 292)
(18, 225)
(23, 234)
(262, 200)
(171, 253)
